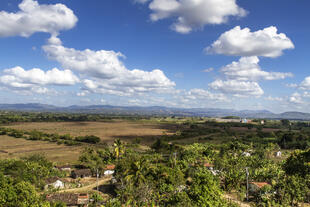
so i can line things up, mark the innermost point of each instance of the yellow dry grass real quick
(107, 131)
(15, 148)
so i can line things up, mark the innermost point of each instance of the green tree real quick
(95, 159)
(205, 190)
(18, 194)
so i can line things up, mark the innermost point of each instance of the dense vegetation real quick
(11, 117)
(196, 165)
(21, 179)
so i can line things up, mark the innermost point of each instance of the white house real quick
(278, 154)
(108, 172)
(246, 154)
(54, 183)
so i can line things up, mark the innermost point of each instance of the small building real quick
(109, 170)
(278, 154)
(246, 154)
(70, 199)
(208, 165)
(262, 122)
(81, 173)
(110, 167)
(244, 121)
(54, 183)
(254, 187)
(64, 167)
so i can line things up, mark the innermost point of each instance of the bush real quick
(88, 139)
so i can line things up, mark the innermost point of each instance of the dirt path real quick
(230, 198)
(87, 188)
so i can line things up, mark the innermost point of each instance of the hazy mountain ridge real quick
(155, 110)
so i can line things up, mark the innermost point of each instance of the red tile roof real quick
(110, 167)
(259, 184)
(208, 165)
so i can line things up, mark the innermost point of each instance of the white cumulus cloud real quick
(248, 69)
(237, 88)
(305, 84)
(193, 14)
(271, 98)
(296, 98)
(202, 94)
(39, 77)
(243, 42)
(33, 17)
(35, 80)
(105, 72)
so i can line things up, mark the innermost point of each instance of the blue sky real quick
(177, 53)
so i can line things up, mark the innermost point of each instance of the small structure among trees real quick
(54, 183)
(278, 154)
(81, 173)
(255, 187)
(70, 199)
(64, 167)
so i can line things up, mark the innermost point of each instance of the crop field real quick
(15, 148)
(107, 131)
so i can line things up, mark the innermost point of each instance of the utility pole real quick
(97, 179)
(247, 183)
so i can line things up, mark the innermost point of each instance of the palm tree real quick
(118, 148)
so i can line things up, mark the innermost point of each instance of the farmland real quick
(107, 131)
(14, 148)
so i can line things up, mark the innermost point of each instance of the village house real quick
(208, 165)
(246, 154)
(54, 183)
(70, 199)
(109, 170)
(278, 154)
(81, 173)
(244, 121)
(255, 187)
(64, 168)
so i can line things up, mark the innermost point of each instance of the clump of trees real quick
(20, 180)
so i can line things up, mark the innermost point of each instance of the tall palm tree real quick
(118, 148)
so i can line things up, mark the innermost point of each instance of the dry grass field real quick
(15, 148)
(107, 131)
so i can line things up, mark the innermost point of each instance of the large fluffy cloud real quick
(305, 84)
(40, 77)
(105, 72)
(35, 79)
(237, 88)
(243, 42)
(248, 69)
(34, 17)
(192, 14)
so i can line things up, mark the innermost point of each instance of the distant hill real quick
(155, 110)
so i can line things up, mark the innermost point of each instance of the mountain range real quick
(155, 110)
